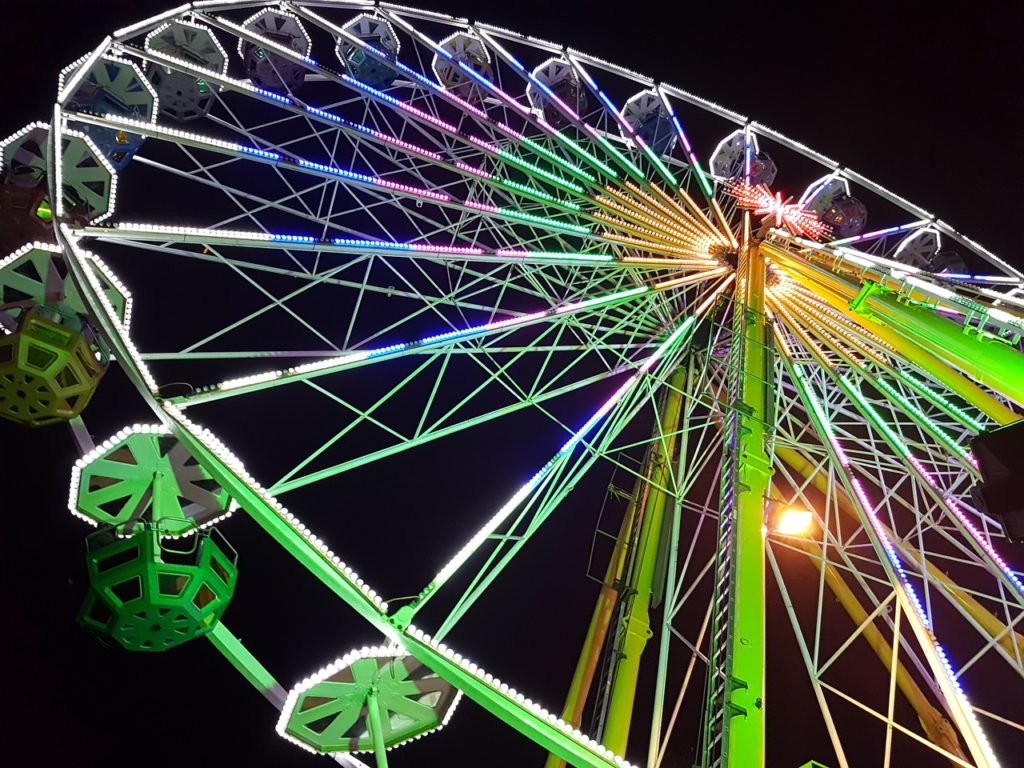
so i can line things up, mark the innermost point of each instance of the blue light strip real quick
(272, 95)
(309, 239)
(334, 170)
(259, 152)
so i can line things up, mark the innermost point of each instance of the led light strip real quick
(674, 213)
(942, 402)
(616, 115)
(878, 233)
(705, 185)
(685, 233)
(525, 165)
(449, 96)
(653, 247)
(174, 134)
(251, 36)
(922, 418)
(171, 233)
(932, 427)
(116, 322)
(333, 171)
(829, 325)
(826, 335)
(573, 146)
(512, 213)
(512, 694)
(656, 243)
(405, 107)
(334, 364)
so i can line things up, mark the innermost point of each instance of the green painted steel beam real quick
(987, 360)
(837, 292)
(746, 733)
(246, 664)
(282, 530)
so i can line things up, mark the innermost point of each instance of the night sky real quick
(926, 101)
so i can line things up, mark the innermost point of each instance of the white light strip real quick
(133, 29)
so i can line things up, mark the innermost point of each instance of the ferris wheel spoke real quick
(562, 479)
(560, 314)
(934, 361)
(941, 500)
(375, 187)
(426, 435)
(536, 485)
(847, 347)
(514, 215)
(614, 113)
(346, 245)
(893, 565)
(521, 112)
(537, 507)
(837, 546)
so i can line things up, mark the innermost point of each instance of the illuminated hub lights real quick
(758, 199)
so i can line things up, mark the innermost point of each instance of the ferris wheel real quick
(335, 238)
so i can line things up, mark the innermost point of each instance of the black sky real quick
(923, 99)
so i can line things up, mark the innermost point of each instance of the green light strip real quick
(529, 167)
(611, 297)
(662, 168)
(528, 190)
(875, 417)
(930, 425)
(512, 213)
(564, 255)
(800, 379)
(621, 158)
(942, 402)
(705, 185)
(540, 149)
(579, 151)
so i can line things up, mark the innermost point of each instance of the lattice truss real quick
(375, 269)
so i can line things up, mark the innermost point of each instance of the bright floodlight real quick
(793, 521)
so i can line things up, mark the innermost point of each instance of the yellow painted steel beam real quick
(641, 581)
